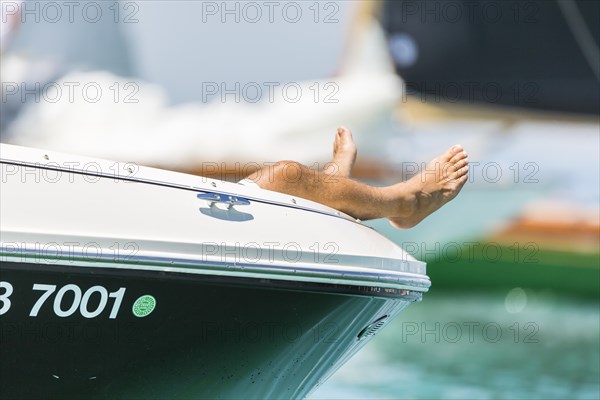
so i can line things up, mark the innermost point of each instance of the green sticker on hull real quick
(143, 306)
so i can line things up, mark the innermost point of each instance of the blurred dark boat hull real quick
(518, 54)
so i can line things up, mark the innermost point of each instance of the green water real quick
(508, 344)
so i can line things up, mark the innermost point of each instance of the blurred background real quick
(222, 88)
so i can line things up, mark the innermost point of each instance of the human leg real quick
(405, 204)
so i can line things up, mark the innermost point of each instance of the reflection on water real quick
(514, 344)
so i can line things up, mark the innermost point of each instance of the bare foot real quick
(435, 186)
(344, 154)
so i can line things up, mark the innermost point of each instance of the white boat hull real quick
(145, 283)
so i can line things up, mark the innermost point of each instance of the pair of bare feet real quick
(420, 196)
(404, 204)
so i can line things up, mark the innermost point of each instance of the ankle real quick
(402, 200)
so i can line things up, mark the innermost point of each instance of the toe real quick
(458, 178)
(345, 142)
(458, 156)
(345, 134)
(460, 182)
(462, 171)
(460, 163)
(451, 152)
